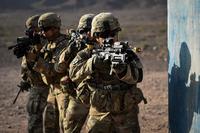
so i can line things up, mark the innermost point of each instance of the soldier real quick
(76, 111)
(38, 89)
(52, 71)
(84, 27)
(113, 98)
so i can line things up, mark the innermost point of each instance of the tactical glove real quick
(119, 69)
(24, 86)
(36, 39)
(19, 51)
(68, 86)
(100, 63)
(22, 46)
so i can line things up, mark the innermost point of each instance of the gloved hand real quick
(68, 86)
(31, 56)
(36, 39)
(22, 46)
(119, 69)
(19, 51)
(100, 63)
(25, 86)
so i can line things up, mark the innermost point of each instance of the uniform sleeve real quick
(65, 58)
(81, 67)
(54, 68)
(44, 67)
(61, 66)
(133, 74)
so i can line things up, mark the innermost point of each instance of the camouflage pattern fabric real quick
(35, 107)
(110, 23)
(113, 101)
(49, 66)
(113, 123)
(49, 19)
(85, 21)
(76, 115)
(32, 22)
(76, 112)
(37, 97)
(114, 112)
(52, 71)
(55, 111)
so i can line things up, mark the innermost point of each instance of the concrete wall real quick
(184, 65)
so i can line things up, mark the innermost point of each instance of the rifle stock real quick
(11, 47)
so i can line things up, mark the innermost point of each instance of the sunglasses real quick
(82, 31)
(29, 32)
(107, 34)
(45, 29)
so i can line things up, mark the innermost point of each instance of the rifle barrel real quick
(11, 47)
(17, 94)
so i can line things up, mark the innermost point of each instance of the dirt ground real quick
(153, 116)
(151, 36)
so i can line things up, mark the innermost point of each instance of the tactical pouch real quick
(83, 93)
(36, 102)
(133, 97)
(109, 98)
(67, 86)
(116, 101)
(100, 100)
(33, 104)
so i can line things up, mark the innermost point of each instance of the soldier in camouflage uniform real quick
(38, 90)
(113, 98)
(76, 111)
(52, 71)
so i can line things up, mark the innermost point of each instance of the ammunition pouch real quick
(114, 87)
(115, 98)
(68, 86)
(37, 100)
(83, 93)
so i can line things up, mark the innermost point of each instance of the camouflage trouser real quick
(75, 116)
(112, 123)
(55, 110)
(113, 111)
(35, 107)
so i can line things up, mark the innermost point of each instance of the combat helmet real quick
(104, 23)
(85, 22)
(32, 22)
(49, 19)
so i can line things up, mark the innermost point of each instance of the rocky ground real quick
(148, 30)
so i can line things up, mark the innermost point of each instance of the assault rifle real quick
(24, 43)
(74, 35)
(24, 86)
(78, 42)
(116, 52)
(22, 46)
(20, 90)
